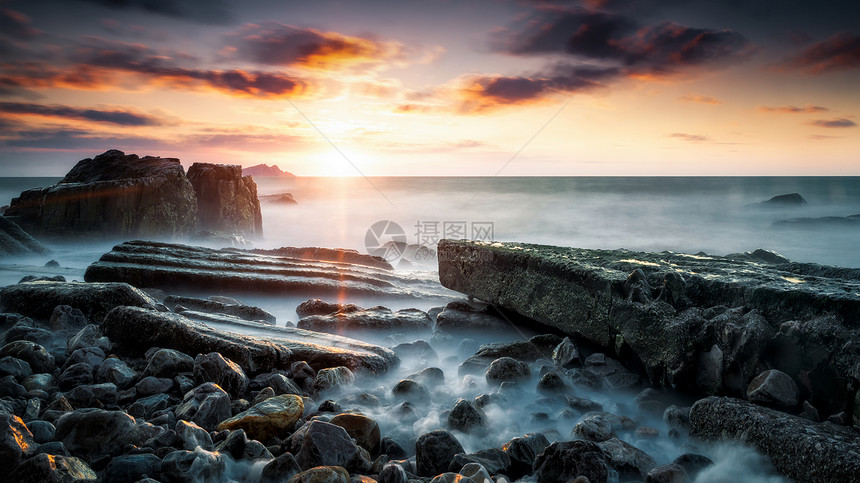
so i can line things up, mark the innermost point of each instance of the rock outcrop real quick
(284, 271)
(706, 323)
(39, 299)
(799, 449)
(263, 170)
(112, 195)
(226, 201)
(15, 241)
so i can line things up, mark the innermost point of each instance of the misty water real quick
(713, 215)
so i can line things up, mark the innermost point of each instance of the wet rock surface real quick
(283, 271)
(375, 318)
(39, 299)
(799, 449)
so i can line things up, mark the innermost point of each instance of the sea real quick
(714, 215)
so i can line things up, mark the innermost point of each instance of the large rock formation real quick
(799, 449)
(112, 195)
(15, 241)
(706, 323)
(283, 271)
(263, 170)
(226, 201)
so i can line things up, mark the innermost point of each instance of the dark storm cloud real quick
(203, 11)
(839, 52)
(15, 25)
(114, 116)
(274, 43)
(834, 123)
(661, 48)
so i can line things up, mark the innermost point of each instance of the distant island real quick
(266, 170)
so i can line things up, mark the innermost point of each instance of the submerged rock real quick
(112, 195)
(15, 241)
(434, 451)
(566, 460)
(798, 448)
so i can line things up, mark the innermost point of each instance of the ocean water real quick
(698, 214)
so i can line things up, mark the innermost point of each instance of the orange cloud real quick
(793, 109)
(693, 138)
(700, 99)
(839, 52)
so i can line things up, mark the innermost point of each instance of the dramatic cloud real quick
(122, 117)
(793, 109)
(15, 25)
(693, 138)
(839, 52)
(77, 140)
(101, 64)
(203, 11)
(660, 49)
(274, 43)
(840, 122)
(700, 99)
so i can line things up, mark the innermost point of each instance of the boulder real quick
(189, 436)
(274, 417)
(461, 316)
(113, 195)
(16, 441)
(206, 405)
(88, 433)
(434, 452)
(322, 474)
(412, 391)
(38, 358)
(318, 443)
(168, 363)
(523, 451)
(507, 369)
(95, 300)
(376, 318)
(320, 307)
(493, 460)
(465, 417)
(332, 379)
(129, 468)
(798, 448)
(773, 388)
(213, 367)
(50, 468)
(226, 201)
(363, 429)
(197, 465)
(566, 460)
(66, 317)
(630, 462)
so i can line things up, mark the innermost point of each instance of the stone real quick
(523, 451)
(677, 417)
(89, 336)
(197, 465)
(206, 405)
(493, 460)
(50, 468)
(39, 359)
(595, 428)
(551, 383)
(25, 330)
(145, 407)
(150, 385)
(213, 367)
(280, 469)
(93, 356)
(240, 310)
(785, 438)
(115, 371)
(434, 452)
(226, 201)
(363, 429)
(773, 388)
(429, 376)
(376, 318)
(693, 463)
(669, 473)
(129, 468)
(465, 417)
(190, 436)
(88, 433)
(168, 363)
(16, 441)
(318, 443)
(322, 474)
(476, 473)
(112, 195)
(507, 369)
(566, 354)
(75, 375)
(629, 461)
(392, 448)
(566, 460)
(9, 387)
(419, 350)
(611, 370)
(274, 417)
(65, 317)
(411, 391)
(12, 366)
(581, 404)
(333, 379)
(43, 431)
(94, 300)
(457, 316)
(15, 241)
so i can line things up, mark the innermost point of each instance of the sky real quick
(436, 88)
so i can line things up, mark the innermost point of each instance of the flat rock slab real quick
(799, 449)
(95, 300)
(374, 319)
(291, 271)
(694, 321)
(269, 347)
